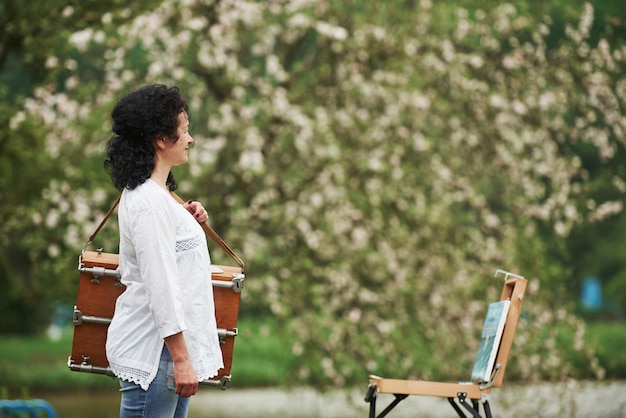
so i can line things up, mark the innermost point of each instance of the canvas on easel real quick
(490, 341)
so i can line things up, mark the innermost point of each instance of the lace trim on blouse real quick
(194, 240)
(188, 244)
(131, 374)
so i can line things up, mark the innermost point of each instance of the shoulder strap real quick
(210, 232)
(215, 237)
(104, 220)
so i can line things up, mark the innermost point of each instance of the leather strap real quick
(210, 232)
(106, 218)
(214, 236)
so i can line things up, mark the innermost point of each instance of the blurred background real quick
(373, 163)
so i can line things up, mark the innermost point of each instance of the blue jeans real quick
(160, 400)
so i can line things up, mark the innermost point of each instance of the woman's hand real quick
(184, 373)
(185, 378)
(197, 210)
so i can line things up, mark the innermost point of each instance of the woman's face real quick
(176, 153)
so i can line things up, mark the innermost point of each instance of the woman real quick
(163, 337)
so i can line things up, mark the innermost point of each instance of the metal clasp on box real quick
(222, 333)
(236, 284)
(86, 366)
(98, 272)
(78, 318)
(222, 383)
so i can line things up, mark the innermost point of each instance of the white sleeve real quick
(154, 239)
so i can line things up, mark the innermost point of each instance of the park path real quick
(563, 400)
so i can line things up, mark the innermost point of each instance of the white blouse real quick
(165, 265)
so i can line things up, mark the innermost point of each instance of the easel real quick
(477, 392)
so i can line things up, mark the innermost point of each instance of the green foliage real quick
(609, 338)
(598, 248)
(39, 167)
(261, 357)
(373, 175)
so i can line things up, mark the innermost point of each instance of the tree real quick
(373, 169)
(36, 164)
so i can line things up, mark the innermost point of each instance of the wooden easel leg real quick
(373, 409)
(475, 405)
(392, 405)
(474, 409)
(463, 402)
(487, 409)
(456, 407)
(371, 393)
(370, 397)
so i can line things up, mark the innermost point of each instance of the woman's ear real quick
(160, 143)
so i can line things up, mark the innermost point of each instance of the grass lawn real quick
(609, 339)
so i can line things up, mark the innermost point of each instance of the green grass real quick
(609, 340)
(262, 358)
(38, 363)
(262, 355)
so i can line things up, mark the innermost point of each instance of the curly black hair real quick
(139, 119)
